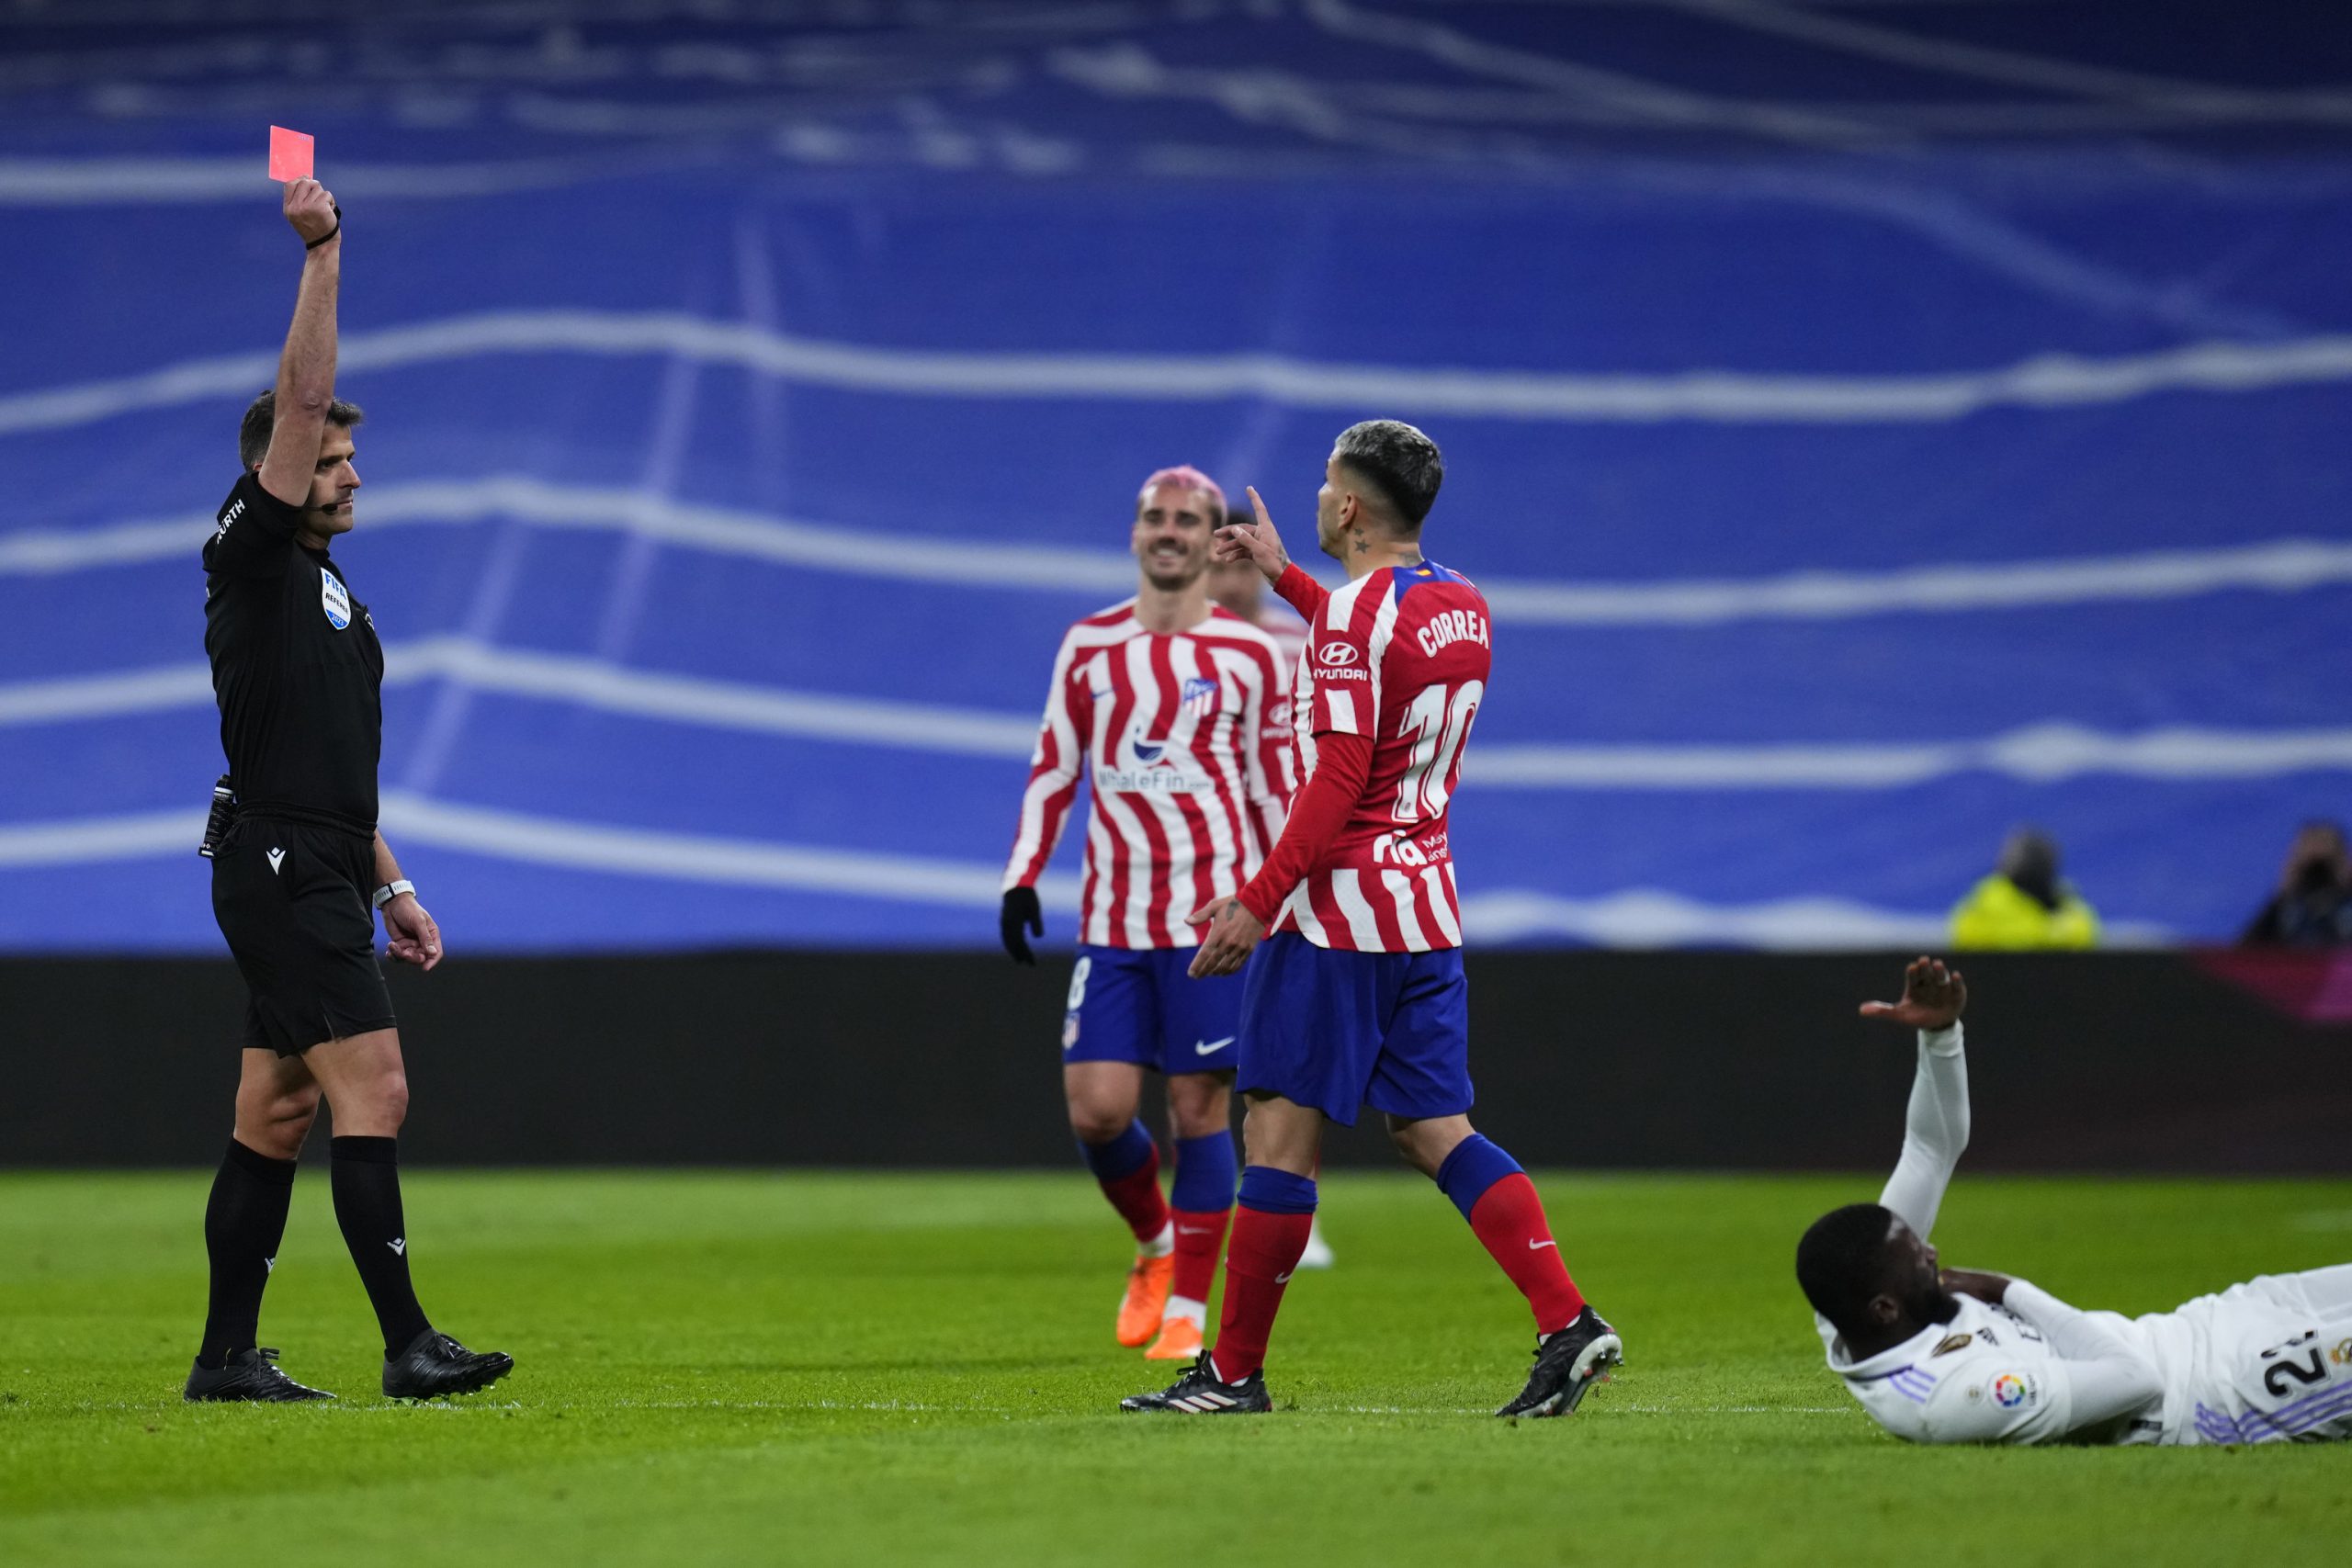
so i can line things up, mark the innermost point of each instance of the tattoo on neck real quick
(1364, 546)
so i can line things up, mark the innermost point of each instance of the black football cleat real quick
(1566, 1366)
(251, 1376)
(434, 1364)
(1199, 1393)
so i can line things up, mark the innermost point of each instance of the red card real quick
(290, 155)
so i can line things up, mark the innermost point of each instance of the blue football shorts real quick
(1137, 1004)
(1338, 1030)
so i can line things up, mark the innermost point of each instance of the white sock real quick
(1161, 1245)
(1197, 1312)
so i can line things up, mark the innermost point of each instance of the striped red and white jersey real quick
(1289, 632)
(1279, 622)
(1401, 655)
(1184, 740)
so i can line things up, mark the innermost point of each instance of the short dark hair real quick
(1401, 463)
(252, 430)
(1841, 1262)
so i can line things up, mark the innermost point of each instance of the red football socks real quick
(1138, 1198)
(1508, 1218)
(1266, 1250)
(1199, 1238)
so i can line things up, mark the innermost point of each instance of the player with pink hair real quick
(1176, 713)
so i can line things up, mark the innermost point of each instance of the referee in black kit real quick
(298, 672)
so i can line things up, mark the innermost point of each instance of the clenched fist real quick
(311, 208)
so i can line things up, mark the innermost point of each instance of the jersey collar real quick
(1895, 1358)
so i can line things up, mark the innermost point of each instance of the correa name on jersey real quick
(1185, 742)
(1402, 655)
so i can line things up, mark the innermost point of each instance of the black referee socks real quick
(367, 1207)
(244, 1222)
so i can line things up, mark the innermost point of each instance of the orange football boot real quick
(1145, 1299)
(1180, 1340)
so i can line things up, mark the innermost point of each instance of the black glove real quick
(1020, 908)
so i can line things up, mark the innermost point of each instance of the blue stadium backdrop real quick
(1875, 425)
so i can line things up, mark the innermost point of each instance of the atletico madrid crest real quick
(1200, 696)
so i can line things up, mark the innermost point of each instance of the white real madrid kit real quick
(2269, 1361)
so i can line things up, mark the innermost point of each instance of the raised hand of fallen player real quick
(1233, 931)
(311, 208)
(414, 938)
(1934, 995)
(1256, 543)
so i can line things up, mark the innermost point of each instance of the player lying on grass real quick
(1958, 1356)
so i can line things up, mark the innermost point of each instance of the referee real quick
(298, 672)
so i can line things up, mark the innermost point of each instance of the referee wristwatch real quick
(391, 890)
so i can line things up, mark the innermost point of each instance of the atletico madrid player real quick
(1241, 588)
(1173, 709)
(1358, 996)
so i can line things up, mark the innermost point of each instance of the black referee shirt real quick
(296, 666)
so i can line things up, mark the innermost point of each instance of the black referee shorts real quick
(295, 901)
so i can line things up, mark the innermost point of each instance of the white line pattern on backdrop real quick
(2036, 753)
(1632, 918)
(743, 862)
(1739, 397)
(587, 683)
(148, 835)
(2278, 565)
(89, 182)
(2039, 753)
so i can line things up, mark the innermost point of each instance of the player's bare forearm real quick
(387, 870)
(413, 936)
(306, 366)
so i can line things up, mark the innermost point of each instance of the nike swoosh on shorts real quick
(1210, 1047)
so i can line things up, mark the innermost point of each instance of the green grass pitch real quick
(839, 1367)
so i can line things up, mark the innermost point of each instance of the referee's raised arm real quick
(306, 368)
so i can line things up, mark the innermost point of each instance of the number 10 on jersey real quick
(1436, 722)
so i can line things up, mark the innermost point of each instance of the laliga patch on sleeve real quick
(2015, 1391)
(290, 155)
